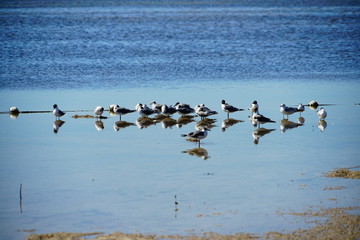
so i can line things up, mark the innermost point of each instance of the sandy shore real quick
(339, 224)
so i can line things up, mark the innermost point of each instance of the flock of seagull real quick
(200, 110)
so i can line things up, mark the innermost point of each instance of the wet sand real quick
(338, 224)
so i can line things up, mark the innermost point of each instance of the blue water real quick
(93, 45)
(82, 54)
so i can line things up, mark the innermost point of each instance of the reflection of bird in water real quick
(122, 124)
(259, 132)
(144, 122)
(57, 112)
(198, 152)
(254, 107)
(203, 111)
(287, 110)
(229, 108)
(205, 123)
(322, 114)
(14, 112)
(258, 119)
(228, 123)
(99, 111)
(168, 122)
(197, 135)
(57, 124)
(300, 108)
(183, 120)
(122, 111)
(99, 125)
(301, 120)
(322, 124)
(286, 124)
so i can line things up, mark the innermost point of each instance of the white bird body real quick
(99, 111)
(254, 107)
(156, 107)
(203, 111)
(322, 114)
(168, 110)
(287, 110)
(300, 108)
(197, 135)
(229, 108)
(57, 112)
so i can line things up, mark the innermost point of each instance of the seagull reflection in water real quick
(144, 122)
(322, 124)
(57, 124)
(198, 152)
(183, 120)
(122, 124)
(260, 132)
(168, 122)
(228, 123)
(286, 124)
(99, 125)
(205, 123)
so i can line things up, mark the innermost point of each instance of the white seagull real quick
(287, 110)
(57, 112)
(254, 107)
(203, 111)
(168, 110)
(99, 111)
(228, 108)
(260, 119)
(322, 113)
(156, 107)
(144, 111)
(198, 135)
(122, 111)
(183, 108)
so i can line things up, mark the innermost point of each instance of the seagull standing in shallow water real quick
(228, 108)
(254, 107)
(57, 112)
(287, 110)
(322, 113)
(198, 135)
(99, 111)
(121, 111)
(260, 119)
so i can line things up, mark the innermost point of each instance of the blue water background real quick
(81, 54)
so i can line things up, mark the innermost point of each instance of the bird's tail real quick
(183, 135)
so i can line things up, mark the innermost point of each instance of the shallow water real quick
(82, 179)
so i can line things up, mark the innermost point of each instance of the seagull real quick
(322, 113)
(260, 119)
(183, 108)
(203, 111)
(198, 135)
(99, 125)
(322, 124)
(99, 111)
(260, 132)
(122, 111)
(228, 123)
(254, 107)
(287, 110)
(57, 112)
(111, 107)
(156, 107)
(144, 111)
(300, 108)
(14, 112)
(228, 108)
(168, 110)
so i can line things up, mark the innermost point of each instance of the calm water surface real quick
(86, 178)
